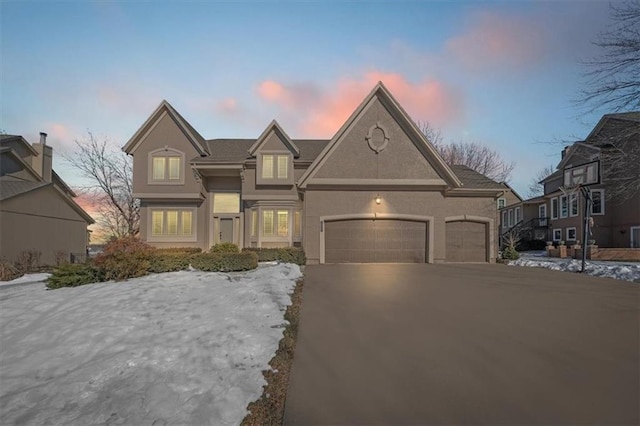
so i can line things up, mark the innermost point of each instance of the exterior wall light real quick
(378, 199)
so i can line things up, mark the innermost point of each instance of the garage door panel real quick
(369, 241)
(466, 241)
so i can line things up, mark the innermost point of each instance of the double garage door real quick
(400, 241)
(371, 241)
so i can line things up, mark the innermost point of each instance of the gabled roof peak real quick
(165, 107)
(274, 126)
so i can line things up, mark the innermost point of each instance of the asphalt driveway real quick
(464, 344)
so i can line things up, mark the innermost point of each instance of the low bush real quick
(28, 261)
(225, 262)
(125, 257)
(510, 253)
(283, 254)
(166, 261)
(225, 248)
(73, 275)
(8, 272)
(178, 250)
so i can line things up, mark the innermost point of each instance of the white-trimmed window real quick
(517, 214)
(502, 202)
(597, 205)
(226, 202)
(554, 208)
(275, 223)
(564, 206)
(275, 166)
(166, 166)
(173, 223)
(504, 219)
(573, 204)
(571, 234)
(510, 218)
(557, 234)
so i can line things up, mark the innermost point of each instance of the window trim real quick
(602, 198)
(504, 202)
(517, 213)
(558, 230)
(504, 219)
(168, 153)
(542, 221)
(571, 228)
(173, 238)
(574, 199)
(288, 180)
(510, 218)
(566, 199)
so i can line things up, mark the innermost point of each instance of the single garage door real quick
(466, 241)
(371, 241)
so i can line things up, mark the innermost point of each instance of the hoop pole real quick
(586, 191)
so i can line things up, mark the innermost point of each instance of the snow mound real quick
(183, 348)
(617, 271)
(27, 279)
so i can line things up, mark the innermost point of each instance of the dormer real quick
(274, 152)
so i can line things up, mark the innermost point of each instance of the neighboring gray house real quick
(37, 210)
(376, 192)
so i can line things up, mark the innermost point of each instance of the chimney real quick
(564, 151)
(42, 163)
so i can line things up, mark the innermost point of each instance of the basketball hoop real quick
(580, 178)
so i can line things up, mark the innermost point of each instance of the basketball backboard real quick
(582, 175)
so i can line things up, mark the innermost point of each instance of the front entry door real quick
(226, 230)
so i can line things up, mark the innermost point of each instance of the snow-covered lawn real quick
(626, 271)
(181, 348)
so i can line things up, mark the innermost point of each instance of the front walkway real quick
(464, 344)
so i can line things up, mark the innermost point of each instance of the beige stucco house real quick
(377, 191)
(556, 217)
(37, 210)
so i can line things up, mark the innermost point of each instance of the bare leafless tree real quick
(474, 155)
(110, 173)
(535, 187)
(619, 144)
(613, 78)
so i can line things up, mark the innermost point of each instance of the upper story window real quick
(573, 205)
(275, 166)
(597, 197)
(554, 208)
(166, 166)
(275, 169)
(502, 202)
(224, 202)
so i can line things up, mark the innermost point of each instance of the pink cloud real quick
(227, 106)
(317, 113)
(497, 41)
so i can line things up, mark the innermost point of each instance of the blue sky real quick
(501, 73)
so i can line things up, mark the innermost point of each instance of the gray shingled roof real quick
(237, 150)
(11, 188)
(631, 116)
(472, 179)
